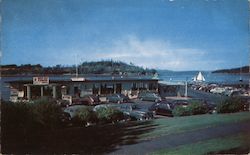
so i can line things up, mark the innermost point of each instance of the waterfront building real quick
(67, 87)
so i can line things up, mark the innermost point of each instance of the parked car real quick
(155, 105)
(106, 106)
(124, 98)
(236, 93)
(174, 103)
(91, 100)
(149, 97)
(63, 103)
(218, 90)
(142, 94)
(209, 105)
(136, 113)
(245, 101)
(73, 109)
(79, 101)
(114, 98)
(65, 118)
(161, 109)
(247, 105)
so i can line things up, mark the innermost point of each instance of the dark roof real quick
(59, 79)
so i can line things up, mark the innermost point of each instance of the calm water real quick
(209, 77)
(163, 75)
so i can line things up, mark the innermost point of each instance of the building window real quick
(107, 88)
(134, 87)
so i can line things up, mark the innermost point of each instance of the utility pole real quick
(186, 88)
(76, 66)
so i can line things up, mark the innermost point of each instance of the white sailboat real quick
(199, 78)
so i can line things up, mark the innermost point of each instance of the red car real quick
(87, 100)
(161, 109)
(91, 100)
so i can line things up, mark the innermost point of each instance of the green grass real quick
(166, 126)
(209, 146)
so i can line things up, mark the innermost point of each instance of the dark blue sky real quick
(163, 34)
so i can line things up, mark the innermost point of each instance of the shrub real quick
(109, 114)
(41, 114)
(47, 113)
(181, 111)
(197, 108)
(194, 108)
(230, 105)
(23, 122)
(84, 115)
(17, 116)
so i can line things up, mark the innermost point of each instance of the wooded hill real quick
(98, 67)
(244, 69)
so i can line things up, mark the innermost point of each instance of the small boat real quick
(199, 78)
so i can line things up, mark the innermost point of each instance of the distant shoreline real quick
(70, 75)
(240, 70)
(32, 75)
(230, 73)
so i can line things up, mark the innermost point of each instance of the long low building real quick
(70, 87)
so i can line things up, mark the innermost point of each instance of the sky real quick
(161, 34)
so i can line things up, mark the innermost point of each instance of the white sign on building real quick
(40, 80)
(78, 79)
(67, 98)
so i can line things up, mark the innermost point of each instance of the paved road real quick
(173, 140)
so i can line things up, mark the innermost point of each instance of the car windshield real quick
(150, 94)
(134, 107)
(114, 95)
(197, 100)
(122, 95)
(180, 102)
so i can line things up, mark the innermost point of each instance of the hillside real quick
(98, 67)
(244, 69)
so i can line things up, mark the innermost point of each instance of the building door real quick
(118, 88)
(95, 89)
(76, 91)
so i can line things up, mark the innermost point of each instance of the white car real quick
(218, 90)
(72, 110)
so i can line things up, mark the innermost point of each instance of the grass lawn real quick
(101, 139)
(166, 126)
(239, 142)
